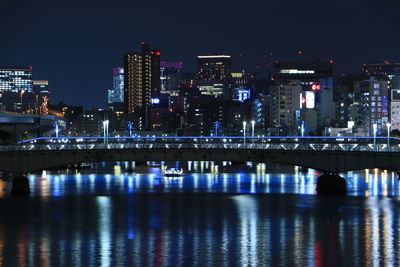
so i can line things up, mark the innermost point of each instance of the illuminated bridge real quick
(327, 154)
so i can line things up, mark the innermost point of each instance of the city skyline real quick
(77, 52)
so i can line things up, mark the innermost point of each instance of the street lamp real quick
(130, 128)
(374, 127)
(388, 134)
(56, 129)
(244, 132)
(22, 92)
(216, 125)
(105, 131)
(252, 130)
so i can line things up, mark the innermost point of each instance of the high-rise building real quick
(116, 94)
(16, 79)
(141, 82)
(374, 104)
(142, 78)
(395, 109)
(171, 72)
(315, 78)
(285, 101)
(41, 89)
(213, 74)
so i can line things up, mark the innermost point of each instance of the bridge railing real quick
(210, 145)
(215, 140)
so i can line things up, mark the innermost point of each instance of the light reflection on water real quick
(145, 219)
(363, 183)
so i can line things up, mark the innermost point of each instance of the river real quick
(252, 215)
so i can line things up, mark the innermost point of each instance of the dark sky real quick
(75, 44)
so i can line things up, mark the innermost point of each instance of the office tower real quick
(395, 109)
(372, 96)
(213, 74)
(285, 102)
(241, 85)
(171, 72)
(316, 80)
(141, 82)
(116, 94)
(16, 79)
(41, 89)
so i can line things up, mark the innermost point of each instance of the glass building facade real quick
(116, 95)
(16, 79)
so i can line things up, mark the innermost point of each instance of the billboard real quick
(310, 99)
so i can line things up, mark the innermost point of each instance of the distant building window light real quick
(296, 71)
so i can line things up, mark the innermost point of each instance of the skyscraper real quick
(16, 79)
(142, 78)
(213, 74)
(170, 76)
(116, 95)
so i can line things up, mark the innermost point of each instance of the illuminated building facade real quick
(116, 94)
(304, 71)
(213, 74)
(41, 89)
(374, 103)
(395, 109)
(141, 82)
(285, 101)
(315, 77)
(171, 72)
(16, 79)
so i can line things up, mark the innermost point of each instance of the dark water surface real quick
(246, 218)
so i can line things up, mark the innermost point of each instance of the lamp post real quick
(22, 92)
(374, 127)
(105, 131)
(56, 129)
(388, 134)
(130, 128)
(252, 130)
(216, 125)
(244, 132)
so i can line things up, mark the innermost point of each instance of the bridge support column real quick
(331, 183)
(20, 185)
(131, 167)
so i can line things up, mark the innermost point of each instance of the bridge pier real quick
(331, 183)
(20, 185)
(130, 167)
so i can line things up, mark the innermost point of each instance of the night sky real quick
(75, 44)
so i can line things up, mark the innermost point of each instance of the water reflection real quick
(288, 181)
(200, 230)
(146, 219)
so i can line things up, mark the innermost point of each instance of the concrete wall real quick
(332, 161)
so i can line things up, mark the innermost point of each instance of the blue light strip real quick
(205, 137)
